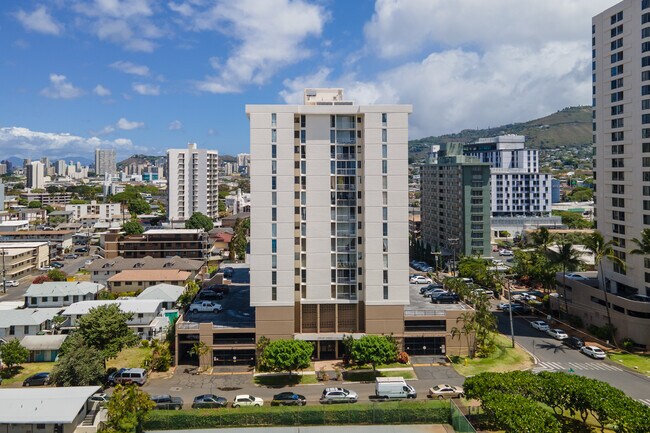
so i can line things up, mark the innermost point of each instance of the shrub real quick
(576, 321)
(628, 344)
(144, 343)
(403, 358)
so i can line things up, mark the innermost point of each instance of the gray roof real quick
(63, 288)
(126, 305)
(61, 213)
(43, 342)
(27, 316)
(121, 264)
(43, 405)
(166, 292)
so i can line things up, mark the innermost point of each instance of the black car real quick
(38, 379)
(288, 399)
(430, 287)
(209, 401)
(209, 295)
(446, 298)
(574, 342)
(219, 288)
(81, 250)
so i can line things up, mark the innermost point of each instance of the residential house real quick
(49, 410)
(147, 320)
(43, 348)
(60, 293)
(135, 280)
(29, 321)
(168, 293)
(103, 269)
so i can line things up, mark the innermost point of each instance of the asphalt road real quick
(552, 355)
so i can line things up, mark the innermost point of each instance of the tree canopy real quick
(199, 221)
(13, 353)
(57, 275)
(35, 204)
(105, 328)
(127, 409)
(373, 350)
(79, 365)
(132, 227)
(287, 355)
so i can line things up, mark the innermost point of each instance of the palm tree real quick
(643, 244)
(542, 239)
(569, 259)
(595, 243)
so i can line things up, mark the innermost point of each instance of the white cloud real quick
(128, 125)
(129, 23)
(271, 35)
(175, 125)
(27, 143)
(100, 90)
(39, 21)
(60, 88)
(146, 89)
(130, 68)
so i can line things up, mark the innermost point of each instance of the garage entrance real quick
(424, 345)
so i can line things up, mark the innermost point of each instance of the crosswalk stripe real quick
(585, 366)
(645, 401)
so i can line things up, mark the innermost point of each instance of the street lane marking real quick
(593, 366)
(645, 401)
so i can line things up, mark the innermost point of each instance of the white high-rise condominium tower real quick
(105, 162)
(35, 175)
(621, 138)
(329, 225)
(192, 182)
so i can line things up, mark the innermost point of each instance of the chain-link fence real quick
(458, 420)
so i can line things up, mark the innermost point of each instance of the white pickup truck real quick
(205, 307)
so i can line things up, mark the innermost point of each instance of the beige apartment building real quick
(329, 229)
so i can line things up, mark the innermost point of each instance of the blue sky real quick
(143, 76)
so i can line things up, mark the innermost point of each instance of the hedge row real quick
(430, 412)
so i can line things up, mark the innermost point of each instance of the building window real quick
(384, 135)
(617, 83)
(385, 229)
(274, 151)
(618, 136)
(384, 167)
(274, 119)
(384, 182)
(616, 30)
(384, 119)
(616, 70)
(274, 166)
(384, 150)
(616, 57)
(303, 136)
(274, 214)
(615, 97)
(616, 17)
(274, 182)
(274, 293)
(274, 261)
(618, 43)
(384, 213)
(274, 135)
(385, 292)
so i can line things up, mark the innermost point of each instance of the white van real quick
(393, 387)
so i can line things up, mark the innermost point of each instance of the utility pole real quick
(452, 243)
(512, 329)
(4, 273)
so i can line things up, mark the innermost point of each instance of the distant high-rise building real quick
(46, 162)
(10, 166)
(35, 175)
(329, 225)
(2, 196)
(26, 162)
(3, 168)
(621, 146)
(61, 167)
(455, 203)
(105, 162)
(192, 183)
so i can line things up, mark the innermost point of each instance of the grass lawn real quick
(369, 376)
(503, 359)
(131, 357)
(24, 371)
(641, 362)
(285, 380)
(368, 366)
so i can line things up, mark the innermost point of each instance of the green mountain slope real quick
(570, 127)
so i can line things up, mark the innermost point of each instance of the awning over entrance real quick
(326, 336)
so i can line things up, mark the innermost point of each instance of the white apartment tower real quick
(329, 228)
(105, 162)
(35, 175)
(518, 189)
(621, 137)
(192, 183)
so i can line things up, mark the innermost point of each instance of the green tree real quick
(238, 242)
(13, 353)
(188, 295)
(138, 206)
(133, 227)
(288, 355)
(542, 239)
(596, 245)
(199, 350)
(573, 220)
(513, 413)
(581, 193)
(127, 409)
(160, 358)
(57, 275)
(35, 204)
(199, 221)
(79, 365)
(373, 350)
(105, 328)
(569, 259)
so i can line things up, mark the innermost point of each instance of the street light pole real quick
(512, 329)
(4, 273)
(453, 242)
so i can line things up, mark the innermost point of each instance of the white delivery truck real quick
(393, 387)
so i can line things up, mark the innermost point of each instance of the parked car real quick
(435, 292)
(558, 334)
(516, 308)
(576, 277)
(504, 252)
(247, 400)
(338, 395)
(434, 295)
(100, 397)
(81, 250)
(210, 401)
(574, 342)
(12, 283)
(167, 402)
(45, 268)
(593, 351)
(540, 325)
(219, 288)
(128, 375)
(446, 391)
(205, 307)
(420, 279)
(209, 295)
(228, 272)
(430, 287)
(503, 305)
(288, 399)
(446, 298)
(38, 379)
(57, 265)
(527, 297)
(70, 256)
